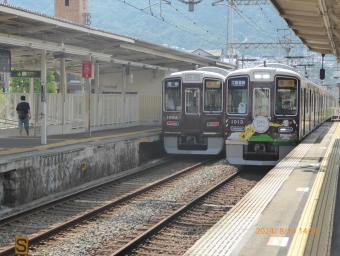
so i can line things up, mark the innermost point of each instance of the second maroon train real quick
(256, 115)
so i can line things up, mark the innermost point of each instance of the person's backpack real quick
(21, 113)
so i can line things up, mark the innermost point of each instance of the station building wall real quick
(142, 82)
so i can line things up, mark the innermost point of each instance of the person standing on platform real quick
(24, 115)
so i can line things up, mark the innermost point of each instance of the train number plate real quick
(172, 117)
(236, 121)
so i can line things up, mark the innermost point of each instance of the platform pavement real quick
(12, 145)
(266, 220)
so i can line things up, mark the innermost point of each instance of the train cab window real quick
(237, 95)
(286, 96)
(261, 102)
(192, 101)
(212, 95)
(172, 95)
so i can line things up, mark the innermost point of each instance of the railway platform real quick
(294, 210)
(30, 170)
(10, 146)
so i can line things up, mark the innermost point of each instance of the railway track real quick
(54, 217)
(178, 230)
(101, 236)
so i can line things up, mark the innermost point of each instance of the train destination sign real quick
(286, 83)
(238, 82)
(172, 83)
(213, 84)
(26, 74)
(192, 77)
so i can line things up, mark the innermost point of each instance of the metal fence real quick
(107, 110)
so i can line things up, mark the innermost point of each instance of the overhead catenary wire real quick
(171, 24)
(270, 21)
(195, 23)
(260, 29)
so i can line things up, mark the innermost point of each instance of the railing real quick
(150, 109)
(107, 110)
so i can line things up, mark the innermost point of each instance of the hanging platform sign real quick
(26, 74)
(86, 69)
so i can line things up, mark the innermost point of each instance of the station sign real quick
(26, 74)
(86, 69)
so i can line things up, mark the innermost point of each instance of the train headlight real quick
(172, 123)
(213, 124)
(285, 129)
(237, 128)
(261, 75)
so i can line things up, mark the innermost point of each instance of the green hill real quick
(173, 24)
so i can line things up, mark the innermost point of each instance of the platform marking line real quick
(68, 142)
(299, 241)
(278, 241)
(302, 189)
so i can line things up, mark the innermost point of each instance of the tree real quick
(18, 84)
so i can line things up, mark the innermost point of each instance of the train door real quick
(312, 110)
(192, 102)
(301, 112)
(261, 101)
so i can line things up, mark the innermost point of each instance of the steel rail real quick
(160, 225)
(10, 250)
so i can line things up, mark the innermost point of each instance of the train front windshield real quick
(212, 95)
(172, 95)
(286, 96)
(238, 95)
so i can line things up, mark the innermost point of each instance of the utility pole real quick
(286, 40)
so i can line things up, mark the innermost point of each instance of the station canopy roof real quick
(315, 22)
(25, 33)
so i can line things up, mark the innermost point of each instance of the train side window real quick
(192, 101)
(212, 95)
(286, 96)
(237, 95)
(172, 95)
(307, 102)
(261, 102)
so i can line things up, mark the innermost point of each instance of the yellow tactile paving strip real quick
(67, 142)
(319, 209)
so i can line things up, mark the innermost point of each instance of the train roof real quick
(201, 71)
(282, 69)
(276, 65)
(221, 71)
(278, 69)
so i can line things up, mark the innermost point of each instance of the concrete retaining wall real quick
(31, 178)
